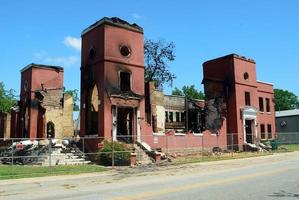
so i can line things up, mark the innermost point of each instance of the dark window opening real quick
(246, 76)
(268, 105)
(269, 131)
(261, 104)
(92, 53)
(263, 136)
(177, 117)
(247, 99)
(92, 110)
(170, 116)
(25, 85)
(183, 117)
(166, 116)
(50, 130)
(125, 51)
(125, 81)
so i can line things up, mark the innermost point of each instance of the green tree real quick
(177, 91)
(189, 91)
(74, 94)
(157, 55)
(285, 100)
(7, 98)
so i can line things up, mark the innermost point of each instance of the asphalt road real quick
(269, 177)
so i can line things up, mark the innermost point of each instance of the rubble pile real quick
(43, 152)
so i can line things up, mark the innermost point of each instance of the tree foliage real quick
(157, 55)
(189, 91)
(74, 94)
(177, 91)
(285, 100)
(7, 98)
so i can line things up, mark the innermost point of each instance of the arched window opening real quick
(92, 110)
(50, 130)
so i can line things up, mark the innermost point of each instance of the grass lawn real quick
(14, 172)
(290, 147)
(228, 156)
(225, 156)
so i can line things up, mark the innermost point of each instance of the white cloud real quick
(73, 42)
(64, 61)
(136, 16)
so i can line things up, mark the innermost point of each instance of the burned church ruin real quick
(116, 104)
(43, 110)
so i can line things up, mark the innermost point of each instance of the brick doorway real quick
(125, 124)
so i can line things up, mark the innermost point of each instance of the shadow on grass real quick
(284, 194)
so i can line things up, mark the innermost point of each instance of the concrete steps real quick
(142, 157)
(58, 157)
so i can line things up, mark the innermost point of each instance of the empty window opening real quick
(92, 109)
(125, 51)
(261, 104)
(194, 121)
(268, 105)
(170, 116)
(177, 116)
(183, 117)
(263, 136)
(50, 130)
(25, 122)
(125, 81)
(246, 76)
(92, 53)
(166, 116)
(247, 99)
(269, 131)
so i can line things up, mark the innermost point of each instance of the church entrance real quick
(125, 125)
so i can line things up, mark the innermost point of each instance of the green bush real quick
(121, 154)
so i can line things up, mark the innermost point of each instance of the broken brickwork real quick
(43, 110)
(4, 125)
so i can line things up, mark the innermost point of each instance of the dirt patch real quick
(68, 186)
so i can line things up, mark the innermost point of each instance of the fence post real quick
(202, 149)
(83, 148)
(112, 153)
(83, 145)
(232, 146)
(167, 144)
(50, 149)
(12, 152)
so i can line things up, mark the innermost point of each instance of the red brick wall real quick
(230, 70)
(35, 77)
(104, 71)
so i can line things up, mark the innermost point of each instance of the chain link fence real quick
(126, 150)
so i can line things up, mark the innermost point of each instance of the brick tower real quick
(112, 80)
(249, 103)
(39, 111)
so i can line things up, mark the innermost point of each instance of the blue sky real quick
(48, 32)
